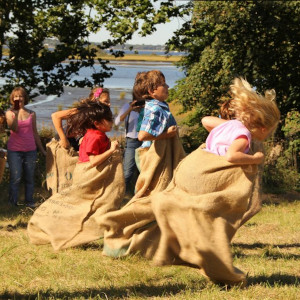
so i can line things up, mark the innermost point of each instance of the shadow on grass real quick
(280, 197)
(274, 280)
(98, 245)
(262, 246)
(14, 217)
(141, 290)
(266, 250)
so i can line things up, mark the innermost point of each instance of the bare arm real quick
(96, 160)
(36, 135)
(128, 111)
(57, 119)
(210, 122)
(145, 136)
(12, 120)
(235, 153)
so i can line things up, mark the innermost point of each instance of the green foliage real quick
(30, 62)
(283, 166)
(258, 40)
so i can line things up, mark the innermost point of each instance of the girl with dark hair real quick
(92, 119)
(97, 94)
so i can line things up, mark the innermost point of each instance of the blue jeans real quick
(129, 160)
(18, 162)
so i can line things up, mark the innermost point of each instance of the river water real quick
(120, 86)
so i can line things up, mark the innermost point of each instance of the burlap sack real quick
(157, 165)
(60, 165)
(2, 167)
(191, 222)
(199, 213)
(255, 202)
(74, 216)
(133, 228)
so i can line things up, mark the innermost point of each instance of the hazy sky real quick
(159, 37)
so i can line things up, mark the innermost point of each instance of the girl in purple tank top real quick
(256, 117)
(21, 146)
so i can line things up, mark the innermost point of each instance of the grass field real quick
(139, 57)
(266, 248)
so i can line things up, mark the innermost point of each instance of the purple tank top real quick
(23, 138)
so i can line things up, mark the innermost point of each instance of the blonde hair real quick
(226, 112)
(94, 95)
(20, 90)
(251, 108)
(147, 81)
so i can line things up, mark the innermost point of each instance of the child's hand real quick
(65, 143)
(172, 130)
(114, 145)
(259, 157)
(132, 104)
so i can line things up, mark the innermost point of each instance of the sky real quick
(163, 33)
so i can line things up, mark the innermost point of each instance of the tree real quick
(258, 40)
(24, 25)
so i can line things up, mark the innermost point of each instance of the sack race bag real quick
(191, 222)
(60, 165)
(199, 213)
(255, 202)
(74, 216)
(133, 228)
(157, 165)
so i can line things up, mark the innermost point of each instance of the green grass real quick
(267, 248)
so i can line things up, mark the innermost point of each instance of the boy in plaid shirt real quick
(158, 122)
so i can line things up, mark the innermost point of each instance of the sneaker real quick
(31, 205)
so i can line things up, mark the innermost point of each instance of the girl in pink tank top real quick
(23, 138)
(21, 146)
(256, 117)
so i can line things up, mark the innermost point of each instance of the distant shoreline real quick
(131, 57)
(143, 58)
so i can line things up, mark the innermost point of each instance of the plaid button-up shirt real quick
(157, 119)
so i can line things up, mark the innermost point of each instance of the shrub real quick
(281, 172)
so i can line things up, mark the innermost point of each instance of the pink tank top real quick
(222, 136)
(23, 138)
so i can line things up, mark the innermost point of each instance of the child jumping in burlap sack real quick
(255, 117)
(62, 156)
(133, 228)
(158, 122)
(255, 204)
(202, 208)
(73, 216)
(93, 119)
(97, 94)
